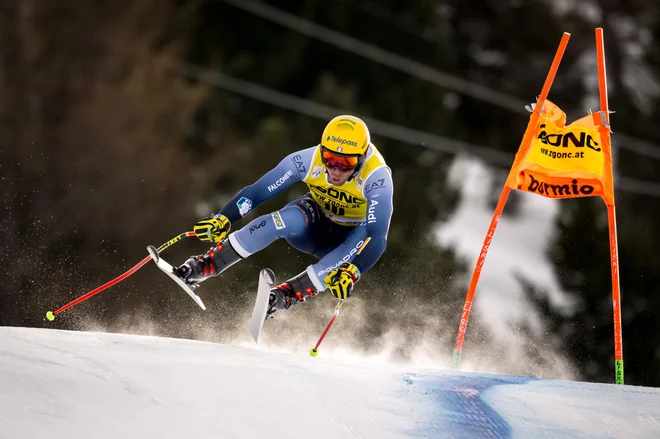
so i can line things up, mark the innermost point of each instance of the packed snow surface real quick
(64, 384)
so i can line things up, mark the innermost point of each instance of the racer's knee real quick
(291, 220)
(262, 231)
(307, 207)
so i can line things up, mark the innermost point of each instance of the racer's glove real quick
(213, 228)
(340, 281)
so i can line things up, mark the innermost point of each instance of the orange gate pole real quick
(611, 214)
(502, 201)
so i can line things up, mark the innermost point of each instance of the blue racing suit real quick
(336, 224)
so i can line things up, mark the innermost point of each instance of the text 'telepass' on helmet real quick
(346, 135)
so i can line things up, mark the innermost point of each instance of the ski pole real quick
(315, 350)
(50, 315)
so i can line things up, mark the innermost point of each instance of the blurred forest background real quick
(122, 123)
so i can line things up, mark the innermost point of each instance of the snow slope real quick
(61, 384)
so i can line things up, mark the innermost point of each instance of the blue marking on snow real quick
(461, 412)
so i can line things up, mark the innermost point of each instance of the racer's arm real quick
(378, 190)
(292, 168)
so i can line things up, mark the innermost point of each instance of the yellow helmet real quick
(347, 135)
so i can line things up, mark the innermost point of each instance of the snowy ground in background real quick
(60, 384)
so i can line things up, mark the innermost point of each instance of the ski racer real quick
(343, 220)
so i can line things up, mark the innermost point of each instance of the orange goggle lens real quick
(332, 160)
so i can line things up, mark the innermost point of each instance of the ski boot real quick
(199, 268)
(285, 295)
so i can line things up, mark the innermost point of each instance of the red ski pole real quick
(50, 315)
(315, 350)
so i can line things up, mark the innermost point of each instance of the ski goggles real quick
(335, 160)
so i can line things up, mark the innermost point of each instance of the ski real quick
(266, 282)
(169, 270)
